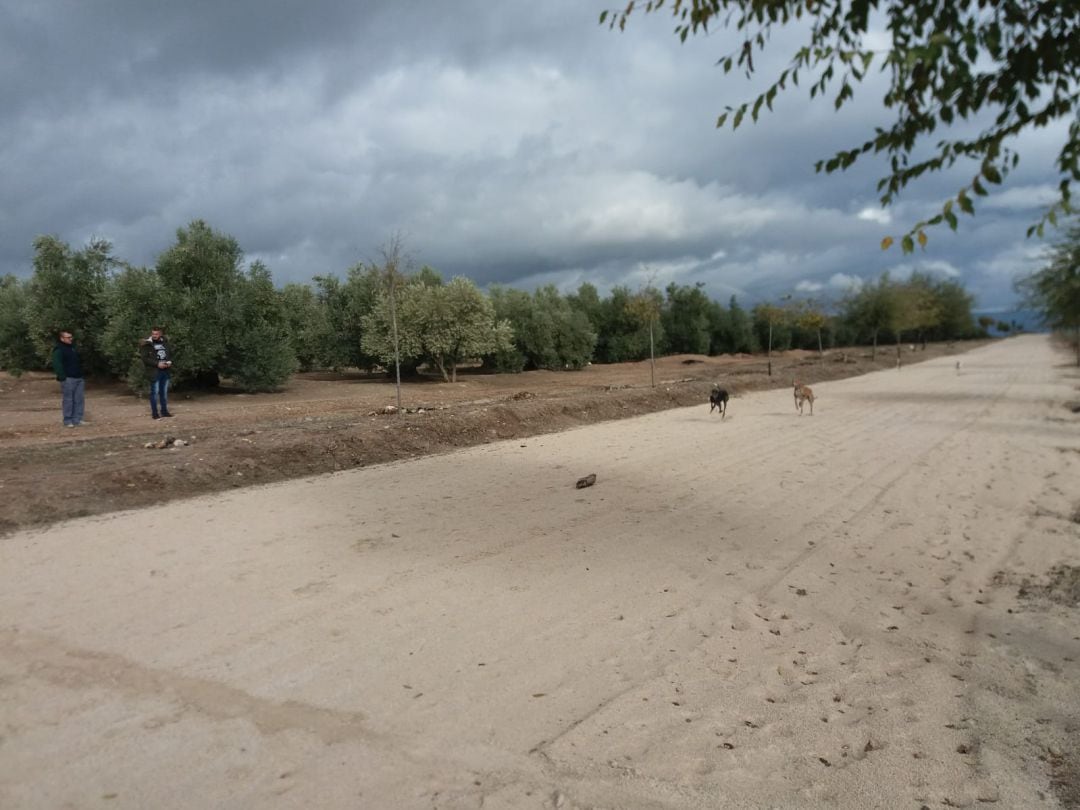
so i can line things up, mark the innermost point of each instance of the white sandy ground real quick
(771, 611)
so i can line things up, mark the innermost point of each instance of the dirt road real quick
(875, 606)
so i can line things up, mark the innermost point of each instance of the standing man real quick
(157, 358)
(68, 368)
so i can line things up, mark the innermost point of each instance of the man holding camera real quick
(157, 358)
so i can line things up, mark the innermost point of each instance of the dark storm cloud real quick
(510, 142)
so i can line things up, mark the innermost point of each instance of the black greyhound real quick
(718, 399)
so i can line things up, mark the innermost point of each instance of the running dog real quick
(718, 399)
(803, 393)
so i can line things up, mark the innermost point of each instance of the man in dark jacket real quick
(68, 368)
(157, 358)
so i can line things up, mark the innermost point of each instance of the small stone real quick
(587, 481)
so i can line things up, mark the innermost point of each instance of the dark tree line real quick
(227, 320)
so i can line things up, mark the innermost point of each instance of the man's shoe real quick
(154, 416)
(165, 414)
(68, 424)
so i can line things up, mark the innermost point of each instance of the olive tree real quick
(549, 331)
(17, 350)
(686, 318)
(308, 321)
(870, 310)
(135, 301)
(259, 355)
(222, 321)
(67, 291)
(1054, 290)
(445, 325)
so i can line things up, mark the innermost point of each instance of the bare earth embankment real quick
(876, 606)
(324, 422)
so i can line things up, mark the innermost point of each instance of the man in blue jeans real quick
(68, 368)
(157, 358)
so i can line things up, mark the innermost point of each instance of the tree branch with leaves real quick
(1009, 66)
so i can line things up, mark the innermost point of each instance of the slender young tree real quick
(812, 318)
(393, 265)
(646, 306)
(773, 314)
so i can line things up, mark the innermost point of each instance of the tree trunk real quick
(453, 372)
(442, 369)
(820, 350)
(873, 352)
(652, 357)
(768, 353)
(397, 349)
(204, 379)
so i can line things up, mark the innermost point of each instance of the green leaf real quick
(907, 244)
(844, 90)
(965, 203)
(950, 218)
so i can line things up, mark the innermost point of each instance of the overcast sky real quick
(505, 140)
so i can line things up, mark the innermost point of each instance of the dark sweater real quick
(65, 362)
(154, 352)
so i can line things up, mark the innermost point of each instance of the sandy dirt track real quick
(856, 609)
